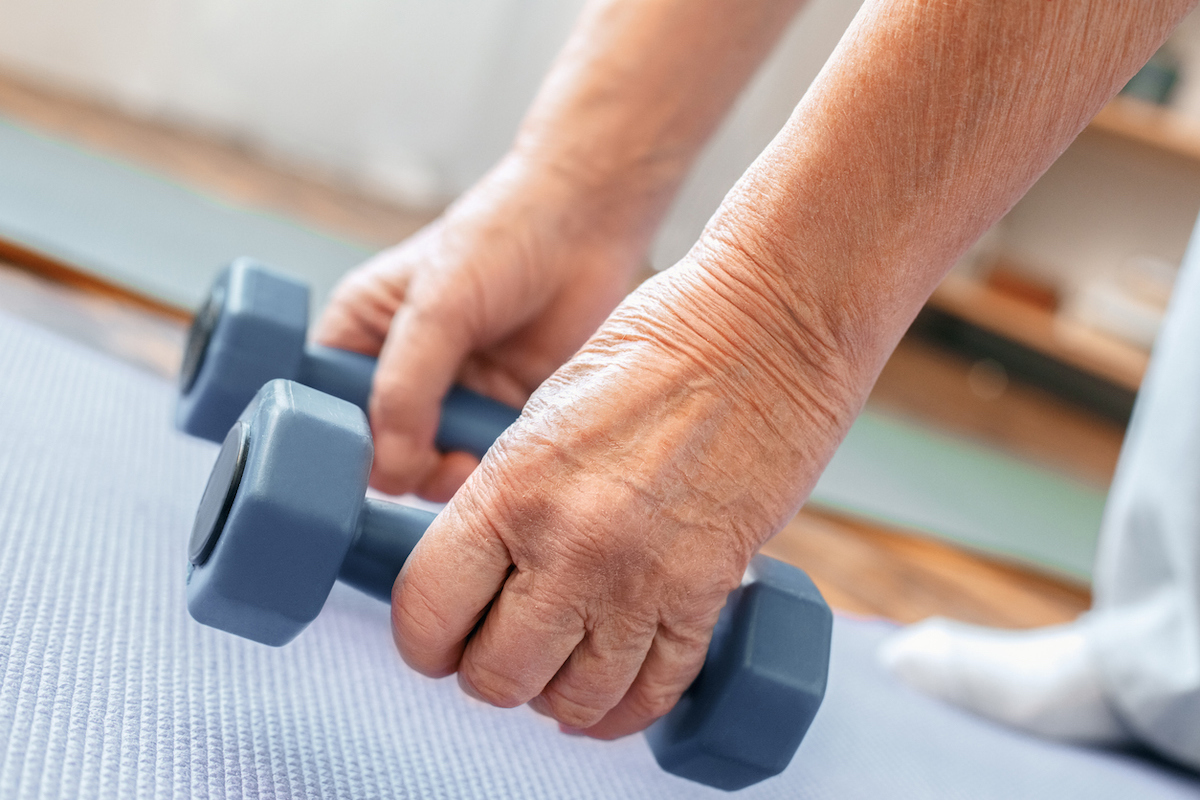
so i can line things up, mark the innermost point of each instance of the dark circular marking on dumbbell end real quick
(219, 493)
(203, 325)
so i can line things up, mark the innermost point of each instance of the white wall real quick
(411, 98)
(415, 98)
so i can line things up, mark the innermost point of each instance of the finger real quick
(670, 667)
(451, 472)
(453, 574)
(524, 639)
(597, 675)
(360, 312)
(423, 352)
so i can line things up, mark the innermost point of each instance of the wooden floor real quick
(861, 567)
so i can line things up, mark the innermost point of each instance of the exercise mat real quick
(142, 231)
(167, 240)
(906, 474)
(109, 690)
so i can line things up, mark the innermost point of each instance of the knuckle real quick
(415, 614)
(417, 628)
(388, 406)
(571, 707)
(446, 311)
(494, 687)
(652, 702)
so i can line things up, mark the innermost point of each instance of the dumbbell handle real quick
(470, 422)
(387, 533)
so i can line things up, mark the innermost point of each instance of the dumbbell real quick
(252, 328)
(284, 516)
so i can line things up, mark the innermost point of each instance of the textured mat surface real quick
(108, 689)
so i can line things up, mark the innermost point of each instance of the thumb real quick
(424, 350)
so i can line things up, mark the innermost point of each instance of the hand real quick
(582, 567)
(495, 295)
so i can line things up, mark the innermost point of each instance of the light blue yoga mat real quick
(166, 240)
(108, 689)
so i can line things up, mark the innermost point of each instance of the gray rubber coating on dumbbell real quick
(111, 691)
(299, 521)
(252, 329)
(295, 513)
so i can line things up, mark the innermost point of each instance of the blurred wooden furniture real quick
(1133, 123)
(1143, 123)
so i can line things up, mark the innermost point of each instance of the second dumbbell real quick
(252, 329)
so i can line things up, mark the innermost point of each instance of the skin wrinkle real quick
(917, 189)
(496, 685)
(578, 712)
(809, 343)
(621, 495)
(571, 701)
(427, 625)
(803, 400)
(731, 241)
(668, 122)
(693, 488)
(650, 496)
(683, 388)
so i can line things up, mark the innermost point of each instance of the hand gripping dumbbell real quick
(284, 516)
(252, 329)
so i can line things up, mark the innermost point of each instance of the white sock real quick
(1043, 681)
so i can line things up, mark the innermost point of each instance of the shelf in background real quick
(1040, 329)
(1159, 127)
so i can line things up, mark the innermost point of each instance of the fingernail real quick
(569, 731)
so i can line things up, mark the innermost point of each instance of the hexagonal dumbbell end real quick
(252, 329)
(744, 716)
(284, 516)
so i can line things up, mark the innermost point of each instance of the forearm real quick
(635, 93)
(928, 123)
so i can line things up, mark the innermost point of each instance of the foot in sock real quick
(1044, 681)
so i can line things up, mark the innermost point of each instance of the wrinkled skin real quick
(617, 513)
(495, 295)
(581, 567)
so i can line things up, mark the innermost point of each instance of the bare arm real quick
(515, 276)
(582, 566)
(928, 123)
(638, 89)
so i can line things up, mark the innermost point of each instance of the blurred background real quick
(143, 143)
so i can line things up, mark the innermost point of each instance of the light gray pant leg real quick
(1146, 584)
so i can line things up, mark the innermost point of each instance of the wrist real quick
(835, 291)
(810, 340)
(614, 195)
(785, 392)
(546, 220)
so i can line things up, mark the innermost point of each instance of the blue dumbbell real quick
(284, 516)
(252, 329)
